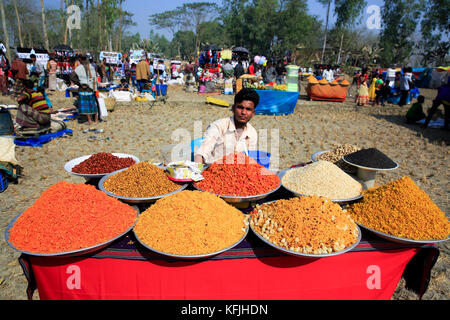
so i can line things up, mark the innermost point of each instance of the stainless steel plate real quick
(134, 200)
(238, 199)
(400, 240)
(192, 257)
(281, 175)
(72, 163)
(67, 254)
(308, 255)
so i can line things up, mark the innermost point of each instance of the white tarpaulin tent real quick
(41, 56)
(438, 78)
(111, 57)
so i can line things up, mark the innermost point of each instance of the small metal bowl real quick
(316, 154)
(72, 253)
(72, 163)
(401, 240)
(192, 257)
(134, 200)
(281, 175)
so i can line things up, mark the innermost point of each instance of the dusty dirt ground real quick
(139, 129)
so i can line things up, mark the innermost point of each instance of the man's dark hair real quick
(421, 99)
(247, 94)
(28, 84)
(32, 56)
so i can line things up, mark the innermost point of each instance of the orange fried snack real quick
(311, 225)
(69, 217)
(190, 223)
(401, 209)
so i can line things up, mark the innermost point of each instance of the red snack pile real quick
(238, 175)
(69, 217)
(102, 163)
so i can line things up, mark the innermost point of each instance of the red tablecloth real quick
(251, 271)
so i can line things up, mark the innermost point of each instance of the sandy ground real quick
(139, 129)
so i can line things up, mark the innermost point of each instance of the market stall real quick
(327, 91)
(162, 236)
(126, 270)
(41, 55)
(276, 102)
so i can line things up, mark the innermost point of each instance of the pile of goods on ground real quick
(238, 175)
(310, 225)
(371, 158)
(323, 179)
(401, 209)
(280, 87)
(256, 86)
(141, 180)
(69, 217)
(190, 223)
(102, 162)
(336, 154)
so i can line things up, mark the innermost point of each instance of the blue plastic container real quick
(262, 157)
(195, 143)
(6, 123)
(161, 90)
(3, 182)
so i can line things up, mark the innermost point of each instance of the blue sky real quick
(142, 9)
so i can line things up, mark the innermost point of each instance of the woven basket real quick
(110, 104)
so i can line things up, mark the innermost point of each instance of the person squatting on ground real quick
(443, 97)
(33, 111)
(415, 113)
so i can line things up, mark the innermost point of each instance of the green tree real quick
(347, 12)
(195, 14)
(269, 27)
(186, 41)
(435, 30)
(399, 22)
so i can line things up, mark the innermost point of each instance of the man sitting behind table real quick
(33, 111)
(233, 134)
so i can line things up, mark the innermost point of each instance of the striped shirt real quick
(37, 101)
(133, 72)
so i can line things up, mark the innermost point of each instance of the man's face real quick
(243, 112)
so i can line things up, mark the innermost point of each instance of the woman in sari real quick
(362, 98)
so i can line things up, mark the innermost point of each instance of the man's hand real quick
(199, 159)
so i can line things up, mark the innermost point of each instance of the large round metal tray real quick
(134, 200)
(307, 255)
(398, 239)
(72, 253)
(72, 163)
(192, 257)
(283, 172)
(238, 199)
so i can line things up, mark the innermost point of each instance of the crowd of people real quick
(375, 88)
(29, 83)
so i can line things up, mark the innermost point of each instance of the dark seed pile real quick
(371, 158)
